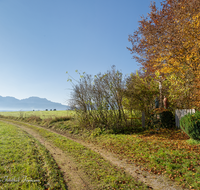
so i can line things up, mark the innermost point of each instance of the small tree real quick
(98, 100)
(140, 94)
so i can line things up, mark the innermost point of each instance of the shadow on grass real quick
(165, 133)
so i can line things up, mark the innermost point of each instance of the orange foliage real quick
(168, 41)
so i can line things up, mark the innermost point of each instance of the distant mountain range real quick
(32, 103)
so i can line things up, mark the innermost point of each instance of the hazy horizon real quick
(28, 104)
(29, 97)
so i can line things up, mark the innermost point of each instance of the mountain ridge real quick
(10, 103)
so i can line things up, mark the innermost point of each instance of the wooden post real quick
(143, 120)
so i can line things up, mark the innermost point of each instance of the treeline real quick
(109, 100)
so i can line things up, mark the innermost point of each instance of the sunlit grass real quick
(25, 163)
(41, 114)
(100, 172)
(166, 153)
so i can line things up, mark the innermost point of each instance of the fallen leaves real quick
(164, 153)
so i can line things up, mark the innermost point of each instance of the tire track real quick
(75, 179)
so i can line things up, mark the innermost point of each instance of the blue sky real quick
(42, 39)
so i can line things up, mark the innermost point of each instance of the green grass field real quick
(25, 163)
(41, 114)
(51, 114)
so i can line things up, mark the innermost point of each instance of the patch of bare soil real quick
(156, 182)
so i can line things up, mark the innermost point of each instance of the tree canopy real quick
(168, 41)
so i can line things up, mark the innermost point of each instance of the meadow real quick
(168, 152)
(41, 114)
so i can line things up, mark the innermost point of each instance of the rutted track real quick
(77, 178)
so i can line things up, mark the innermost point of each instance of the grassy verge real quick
(100, 172)
(161, 154)
(60, 123)
(25, 163)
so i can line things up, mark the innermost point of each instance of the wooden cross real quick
(160, 87)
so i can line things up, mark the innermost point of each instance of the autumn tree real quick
(140, 94)
(167, 41)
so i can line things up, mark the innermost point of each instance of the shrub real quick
(57, 119)
(167, 119)
(190, 124)
(98, 100)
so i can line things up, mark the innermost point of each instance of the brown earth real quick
(76, 179)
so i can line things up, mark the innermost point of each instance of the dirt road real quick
(76, 179)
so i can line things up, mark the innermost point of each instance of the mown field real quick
(168, 152)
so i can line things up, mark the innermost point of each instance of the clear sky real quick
(42, 39)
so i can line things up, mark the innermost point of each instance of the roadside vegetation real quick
(25, 163)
